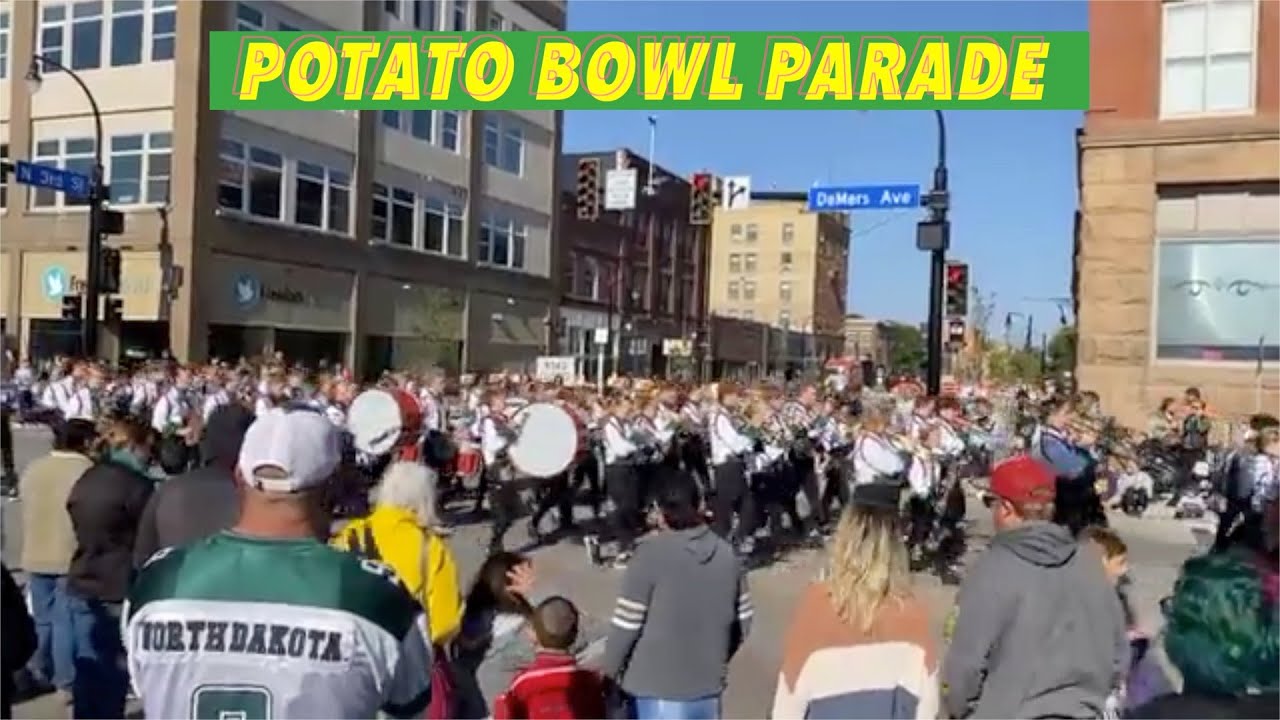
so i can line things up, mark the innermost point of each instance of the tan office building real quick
(1177, 262)
(390, 239)
(776, 263)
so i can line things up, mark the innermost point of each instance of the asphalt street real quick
(1157, 548)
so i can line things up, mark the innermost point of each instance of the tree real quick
(1062, 350)
(981, 308)
(906, 348)
(1013, 364)
(435, 320)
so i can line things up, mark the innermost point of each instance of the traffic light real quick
(955, 332)
(113, 310)
(109, 272)
(701, 199)
(71, 307)
(957, 289)
(588, 189)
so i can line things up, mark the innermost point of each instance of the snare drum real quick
(469, 462)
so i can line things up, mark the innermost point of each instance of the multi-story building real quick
(864, 339)
(641, 272)
(1177, 262)
(393, 238)
(776, 263)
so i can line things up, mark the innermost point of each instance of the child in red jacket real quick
(553, 687)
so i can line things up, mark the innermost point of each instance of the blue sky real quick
(1012, 174)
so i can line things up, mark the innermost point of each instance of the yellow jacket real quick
(399, 539)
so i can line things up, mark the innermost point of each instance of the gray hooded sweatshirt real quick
(1040, 631)
(682, 612)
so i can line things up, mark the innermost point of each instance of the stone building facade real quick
(1177, 258)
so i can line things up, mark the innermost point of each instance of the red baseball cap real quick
(1022, 479)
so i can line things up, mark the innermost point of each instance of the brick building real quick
(1177, 258)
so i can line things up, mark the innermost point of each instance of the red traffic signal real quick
(957, 274)
(702, 181)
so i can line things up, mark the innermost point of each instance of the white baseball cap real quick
(305, 445)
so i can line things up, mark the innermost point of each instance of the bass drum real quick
(382, 421)
(549, 440)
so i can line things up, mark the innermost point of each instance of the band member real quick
(557, 492)
(174, 418)
(216, 394)
(729, 447)
(496, 436)
(875, 458)
(620, 479)
(772, 480)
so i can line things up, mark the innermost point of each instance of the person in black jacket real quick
(19, 639)
(199, 502)
(106, 506)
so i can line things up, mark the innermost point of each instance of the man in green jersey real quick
(265, 621)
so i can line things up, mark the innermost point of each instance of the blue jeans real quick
(647, 708)
(55, 657)
(101, 679)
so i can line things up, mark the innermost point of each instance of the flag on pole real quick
(653, 120)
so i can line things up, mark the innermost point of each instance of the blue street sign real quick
(71, 183)
(863, 197)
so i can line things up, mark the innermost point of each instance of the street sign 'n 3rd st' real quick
(863, 197)
(43, 176)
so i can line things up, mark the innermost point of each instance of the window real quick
(392, 7)
(75, 155)
(788, 233)
(420, 124)
(286, 27)
(495, 22)
(424, 14)
(248, 18)
(1208, 57)
(126, 32)
(747, 314)
(749, 262)
(322, 198)
(735, 232)
(785, 262)
(784, 319)
(391, 119)
(460, 16)
(1217, 274)
(139, 168)
(266, 183)
(748, 290)
(784, 291)
(502, 242)
(450, 134)
(442, 228)
(753, 232)
(402, 212)
(4, 178)
(503, 146)
(52, 33)
(734, 290)
(589, 284)
(231, 175)
(668, 293)
(86, 35)
(381, 208)
(4, 44)
(735, 263)
(163, 29)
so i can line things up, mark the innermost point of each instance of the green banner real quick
(649, 71)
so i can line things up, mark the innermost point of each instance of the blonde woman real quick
(859, 644)
(399, 533)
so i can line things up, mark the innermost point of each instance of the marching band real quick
(758, 452)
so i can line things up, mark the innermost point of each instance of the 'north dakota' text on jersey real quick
(240, 637)
(239, 626)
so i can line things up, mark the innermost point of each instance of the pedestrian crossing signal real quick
(113, 310)
(109, 272)
(701, 199)
(588, 189)
(71, 307)
(957, 290)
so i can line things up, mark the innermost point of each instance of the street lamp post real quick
(934, 236)
(89, 311)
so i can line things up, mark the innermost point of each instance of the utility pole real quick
(933, 235)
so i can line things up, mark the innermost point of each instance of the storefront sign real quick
(243, 291)
(47, 277)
